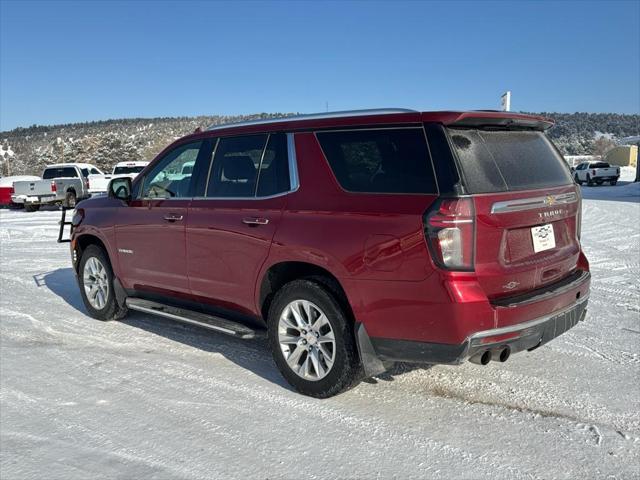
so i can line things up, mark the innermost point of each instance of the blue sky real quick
(75, 61)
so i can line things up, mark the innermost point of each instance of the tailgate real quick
(525, 240)
(526, 207)
(32, 188)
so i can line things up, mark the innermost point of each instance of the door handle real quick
(172, 217)
(255, 221)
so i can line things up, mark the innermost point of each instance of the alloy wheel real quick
(306, 340)
(96, 283)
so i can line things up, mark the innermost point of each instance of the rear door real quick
(232, 220)
(150, 231)
(526, 208)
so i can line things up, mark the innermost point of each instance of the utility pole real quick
(505, 101)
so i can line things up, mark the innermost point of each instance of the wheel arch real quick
(85, 240)
(281, 273)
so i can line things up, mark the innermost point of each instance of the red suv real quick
(357, 239)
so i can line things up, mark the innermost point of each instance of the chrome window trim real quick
(314, 116)
(294, 181)
(533, 203)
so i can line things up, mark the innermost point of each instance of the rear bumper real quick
(523, 336)
(20, 199)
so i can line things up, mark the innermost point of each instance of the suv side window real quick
(167, 178)
(234, 172)
(380, 161)
(273, 176)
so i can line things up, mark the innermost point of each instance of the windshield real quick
(501, 161)
(127, 170)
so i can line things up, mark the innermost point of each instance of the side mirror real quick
(120, 188)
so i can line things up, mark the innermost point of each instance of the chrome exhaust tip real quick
(501, 354)
(481, 358)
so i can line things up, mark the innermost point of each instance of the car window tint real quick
(95, 171)
(500, 161)
(380, 161)
(167, 179)
(59, 172)
(235, 166)
(273, 177)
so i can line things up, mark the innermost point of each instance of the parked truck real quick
(62, 183)
(596, 172)
(99, 183)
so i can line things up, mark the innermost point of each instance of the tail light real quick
(54, 189)
(86, 183)
(450, 232)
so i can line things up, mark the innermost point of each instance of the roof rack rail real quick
(315, 116)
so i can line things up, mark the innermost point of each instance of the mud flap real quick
(120, 293)
(371, 364)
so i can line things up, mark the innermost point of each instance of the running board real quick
(204, 320)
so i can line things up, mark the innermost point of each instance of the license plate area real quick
(543, 237)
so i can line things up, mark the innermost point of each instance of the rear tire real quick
(317, 368)
(599, 182)
(95, 278)
(613, 182)
(31, 208)
(70, 200)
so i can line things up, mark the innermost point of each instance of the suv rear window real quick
(501, 161)
(599, 165)
(380, 161)
(59, 172)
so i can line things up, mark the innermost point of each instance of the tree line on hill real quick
(104, 143)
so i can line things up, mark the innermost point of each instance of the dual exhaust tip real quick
(498, 354)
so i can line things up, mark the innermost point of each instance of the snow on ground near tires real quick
(147, 398)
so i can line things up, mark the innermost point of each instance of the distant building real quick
(624, 156)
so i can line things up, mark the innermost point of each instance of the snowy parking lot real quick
(148, 398)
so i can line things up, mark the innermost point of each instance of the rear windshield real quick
(380, 161)
(59, 172)
(501, 161)
(599, 165)
(127, 170)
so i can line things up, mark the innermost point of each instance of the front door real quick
(230, 227)
(150, 232)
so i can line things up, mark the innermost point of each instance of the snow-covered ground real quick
(147, 398)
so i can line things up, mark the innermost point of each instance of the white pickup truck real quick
(596, 172)
(100, 183)
(62, 183)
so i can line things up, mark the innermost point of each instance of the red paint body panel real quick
(374, 244)
(5, 195)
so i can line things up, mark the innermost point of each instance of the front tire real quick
(312, 340)
(577, 179)
(95, 278)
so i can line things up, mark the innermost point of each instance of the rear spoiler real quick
(496, 119)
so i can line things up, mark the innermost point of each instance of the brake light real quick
(54, 189)
(450, 232)
(86, 182)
